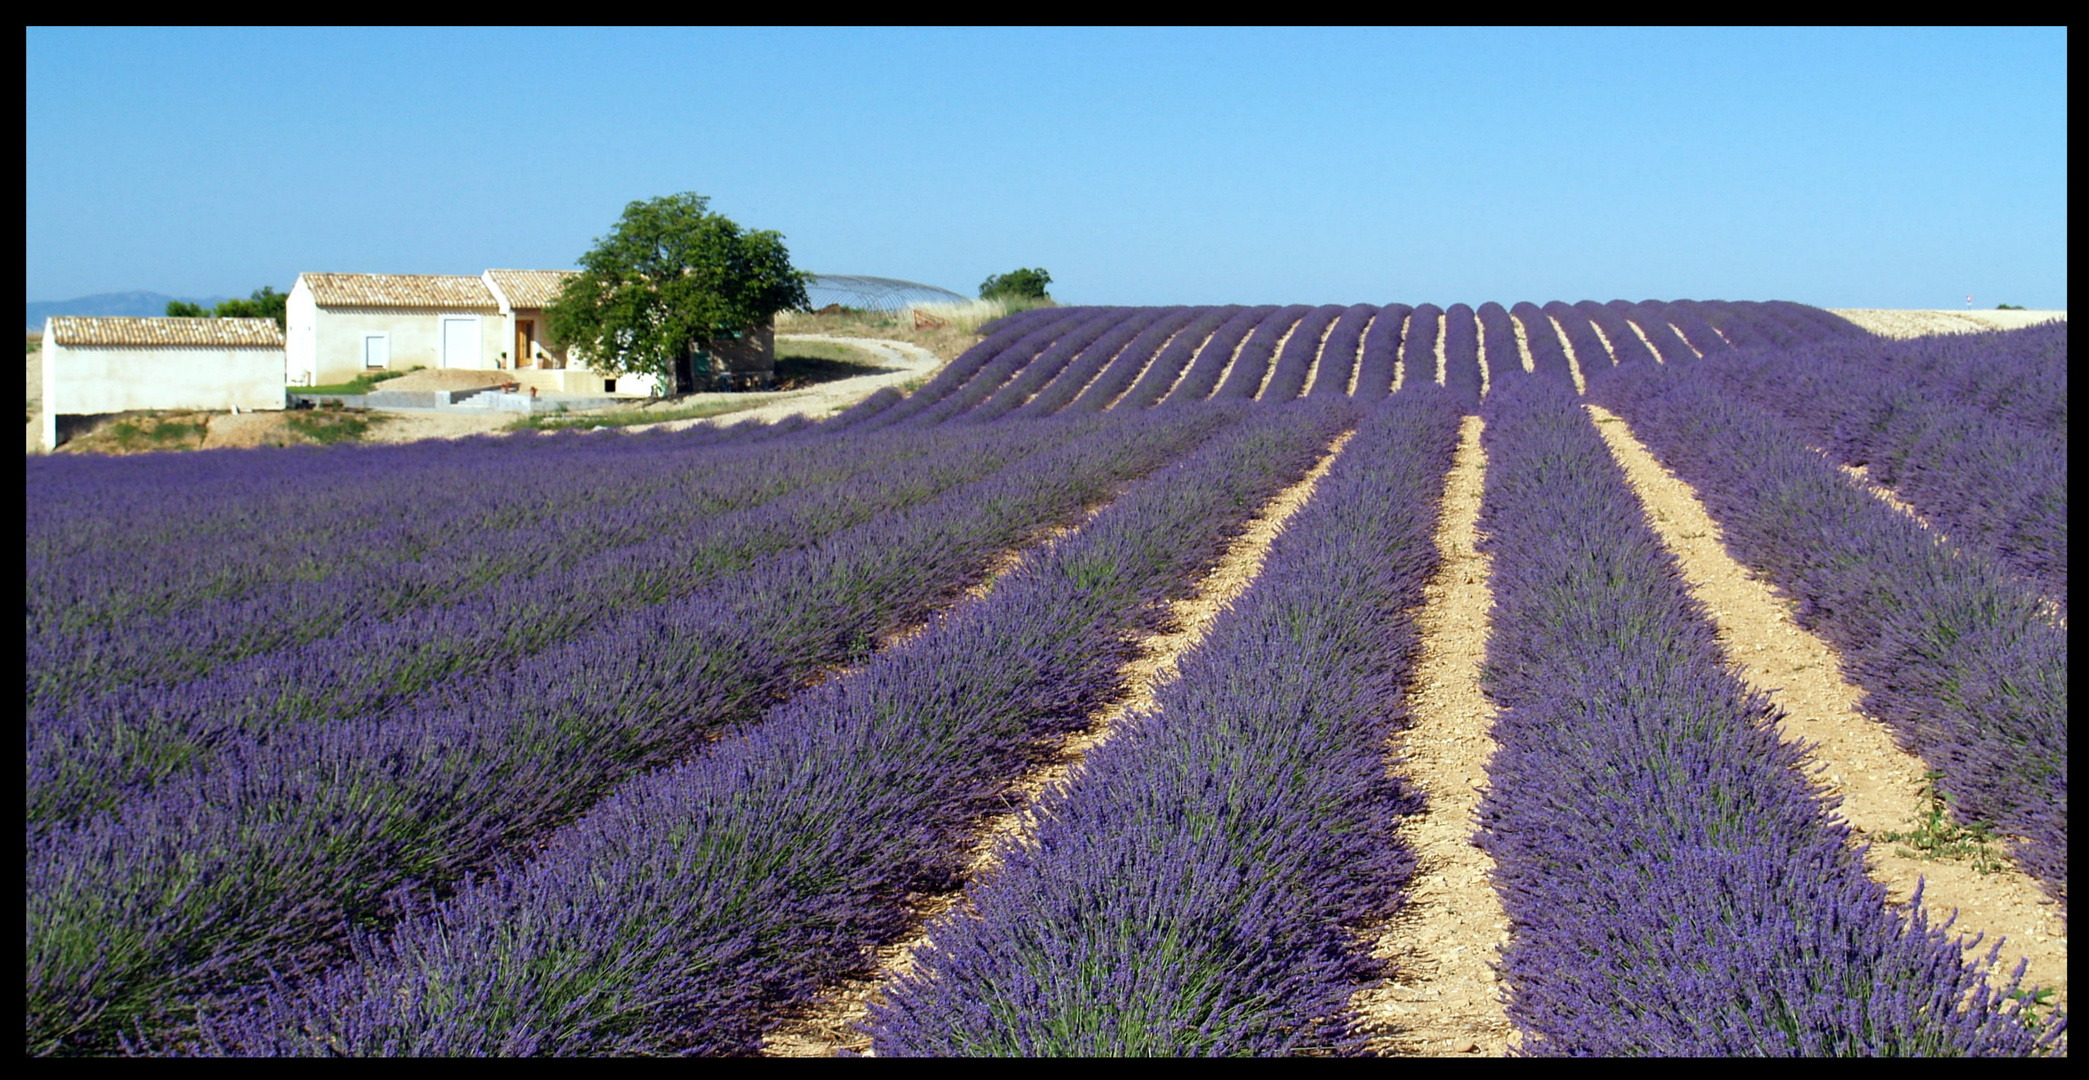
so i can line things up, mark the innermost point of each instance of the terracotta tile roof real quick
(221, 333)
(530, 288)
(448, 291)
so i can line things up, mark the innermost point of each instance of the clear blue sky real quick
(1840, 168)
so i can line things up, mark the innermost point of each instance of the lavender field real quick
(894, 727)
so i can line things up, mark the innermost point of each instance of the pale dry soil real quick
(831, 1027)
(904, 363)
(1854, 757)
(1908, 324)
(1443, 997)
(444, 379)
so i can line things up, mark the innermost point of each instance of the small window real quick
(609, 386)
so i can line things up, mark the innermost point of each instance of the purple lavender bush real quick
(262, 861)
(1287, 378)
(1589, 351)
(1674, 884)
(1251, 364)
(1418, 348)
(1109, 375)
(1626, 348)
(1667, 344)
(1379, 358)
(993, 359)
(94, 752)
(1548, 356)
(88, 634)
(1698, 332)
(1990, 485)
(1196, 383)
(1199, 884)
(1959, 661)
(695, 905)
(1461, 357)
(1338, 354)
(1140, 384)
(1498, 348)
(1010, 366)
(1058, 360)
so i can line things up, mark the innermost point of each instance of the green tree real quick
(1016, 285)
(264, 303)
(669, 276)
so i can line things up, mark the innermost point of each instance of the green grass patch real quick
(157, 433)
(628, 417)
(329, 426)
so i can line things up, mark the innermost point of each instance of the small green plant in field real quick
(327, 427)
(2029, 1002)
(156, 433)
(1936, 836)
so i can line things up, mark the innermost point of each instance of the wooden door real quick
(525, 343)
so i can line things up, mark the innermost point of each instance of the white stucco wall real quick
(87, 380)
(300, 340)
(416, 338)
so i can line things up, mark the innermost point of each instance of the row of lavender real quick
(1197, 886)
(89, 631)
(696, 905)
(1951, 651)
(1989, 468)
(1675, 886)
(262, 856)
(90, 753)
(299, 517)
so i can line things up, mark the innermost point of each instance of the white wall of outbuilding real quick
(86, 380)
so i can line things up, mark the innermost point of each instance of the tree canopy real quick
(264, 303)
(669, 275)
(1016, 285)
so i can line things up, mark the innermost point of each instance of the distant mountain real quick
(114, 303)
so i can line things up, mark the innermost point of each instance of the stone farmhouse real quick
(344, 325)
(112, 365)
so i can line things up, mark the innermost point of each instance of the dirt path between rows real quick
(1443, 997)
(1356, 363)
(1880, 786)
(831, 1027)
(1581, 383)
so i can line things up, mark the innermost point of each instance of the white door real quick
(377, 350)
(460, 343)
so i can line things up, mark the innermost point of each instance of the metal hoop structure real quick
(875, 293)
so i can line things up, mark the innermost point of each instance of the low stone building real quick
(342, 326)
(95, 366)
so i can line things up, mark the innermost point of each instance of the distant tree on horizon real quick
(263, 303)
(1017, 285)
